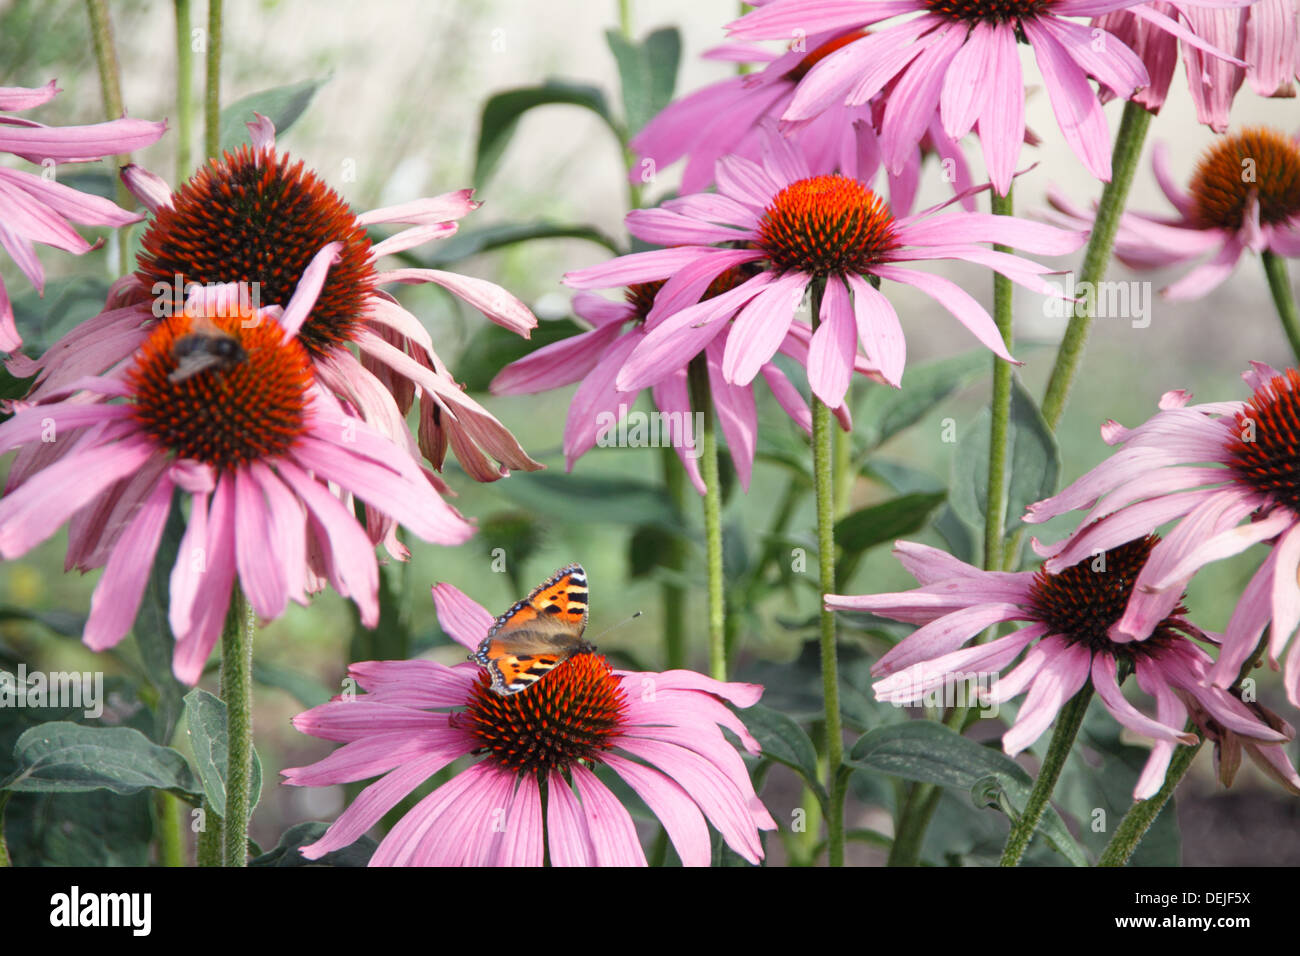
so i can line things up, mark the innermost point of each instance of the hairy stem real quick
(1283, 297)
(237, 692)
(702, 401)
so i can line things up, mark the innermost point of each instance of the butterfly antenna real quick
(615, 627)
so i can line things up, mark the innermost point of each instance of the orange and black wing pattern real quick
(538, 633)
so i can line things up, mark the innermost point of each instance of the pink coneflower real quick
(960, 57)
(223, 406)
(256, 219)
(1245, 194)
(800, 228)
(36, 208)
(535, 796)
(1228, 472)
(596, 358)
(1262, 38)
(727, 117)
(1065, 642)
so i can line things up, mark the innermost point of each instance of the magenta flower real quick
(1065, 642)
(534, 795)
(798, 228)
(1244, 195)
(960, 57)
(596, 357)
(1227, 472)
(727, 118)
(255, 219)
(1262, 38)
(221, 404)
(36, 209)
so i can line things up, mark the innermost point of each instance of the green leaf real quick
(884, 411)
(465, 244)
(42, 319)
(648, 73)
(784, 741)
(927, 751)
(1033, 462)
(501, 116)
(282, 105)
(205, 720)
(573, 499)
(63, 757)
(961, 538)
(285, 853)
(152, 629)
(493, 348)
(876, 524)
(96, 828)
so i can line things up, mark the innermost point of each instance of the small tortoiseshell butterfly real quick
(537, 634)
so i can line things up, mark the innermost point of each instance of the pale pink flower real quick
(799, 228)
(727, 118)
(535, 794)
(1227, 472)
(37, 209)
(221, 405)
(1223, 214)
(597, 357)
(961, 57)
(286, 213)
(1066, 620)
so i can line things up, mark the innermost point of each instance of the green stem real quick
(184, 89)
(823, 446)
(1142, 814)
(702, 401)
(672, 594)
(1124, 160)
(1283, 298)
(4, 848)
(1068, 722)
(208, 852)
(912, 824)
(237, 692)
(110, 83)
(212, 114)
(171, 850)
(995, 511)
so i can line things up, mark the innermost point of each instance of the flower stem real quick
(922, 798)
(237, 692)
(1283, 297)
(995, 510)
(4, 849)
(673, 594)
(170, 850)
(184, 89)
(110, 82)
(823, 447)
(212, 115)
(1142, 814)
(208, 851)
(702, 401)
(1124, 161)
(1068, 722)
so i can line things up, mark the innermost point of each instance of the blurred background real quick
(396, 116)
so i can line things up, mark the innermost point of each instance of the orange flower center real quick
(1255, 163)
(988, 11)
(574, 713)
(826, 225)
(251, 218)
(1264, 447)
(209, 389)
(1081, 602)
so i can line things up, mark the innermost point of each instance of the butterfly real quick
(538, 634)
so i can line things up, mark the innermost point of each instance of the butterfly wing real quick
(538, 633)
